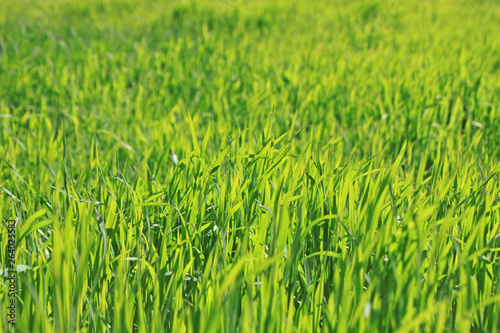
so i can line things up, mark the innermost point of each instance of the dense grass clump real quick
(251, 166)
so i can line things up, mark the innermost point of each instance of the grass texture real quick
(231, 166)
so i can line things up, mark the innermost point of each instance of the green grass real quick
(251, 167)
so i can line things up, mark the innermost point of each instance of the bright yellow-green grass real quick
(251, 166)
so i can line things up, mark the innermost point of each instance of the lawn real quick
(250, 166)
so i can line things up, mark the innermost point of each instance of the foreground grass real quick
(251, 167)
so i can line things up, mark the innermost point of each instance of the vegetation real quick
(251, 167)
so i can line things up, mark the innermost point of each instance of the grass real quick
(251, 167)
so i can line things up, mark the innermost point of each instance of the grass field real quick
(251, 166)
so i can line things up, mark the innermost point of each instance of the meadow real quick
(251, 166)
